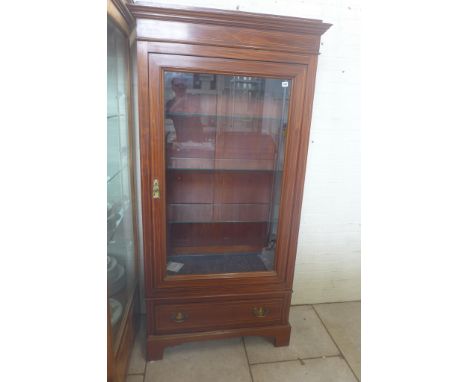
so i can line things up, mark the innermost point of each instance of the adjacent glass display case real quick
(120, 230)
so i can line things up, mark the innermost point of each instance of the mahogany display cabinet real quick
(224, 103)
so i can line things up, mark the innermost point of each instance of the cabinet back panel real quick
(197, 237)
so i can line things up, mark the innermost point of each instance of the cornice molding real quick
(229, 18)
(117, 9)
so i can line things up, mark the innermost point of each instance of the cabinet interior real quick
(224, 142)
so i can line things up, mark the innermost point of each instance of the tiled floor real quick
(325, 346)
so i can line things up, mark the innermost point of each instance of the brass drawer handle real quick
(179, 317)
(260, 312)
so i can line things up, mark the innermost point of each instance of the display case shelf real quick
(218, 116)
(219, 169)
(221, 221)
(110, 178)
(220, 165)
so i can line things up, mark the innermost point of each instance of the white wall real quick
(328, 257)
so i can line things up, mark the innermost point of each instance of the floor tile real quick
(207, 361)
(343, 321)
(137, 361)
(135, 378)
(333, 369)
(308, 339)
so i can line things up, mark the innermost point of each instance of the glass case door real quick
(120, 233)
(224, 147)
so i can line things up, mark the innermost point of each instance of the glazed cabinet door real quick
(224, 137)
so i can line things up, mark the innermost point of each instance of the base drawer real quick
(216, 315)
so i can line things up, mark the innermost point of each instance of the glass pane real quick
(225, 138)
(120, 241)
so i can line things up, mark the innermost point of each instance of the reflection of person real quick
(179, 87)
(183, 110)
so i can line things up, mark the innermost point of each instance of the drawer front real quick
(216, 315)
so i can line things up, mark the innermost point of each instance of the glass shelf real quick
(112, 177)
(217, 116)
(221, 165)
(222, 221)
(224, 169)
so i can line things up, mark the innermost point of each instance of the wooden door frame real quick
(153, 162)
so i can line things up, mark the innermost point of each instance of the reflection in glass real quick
(225, 139)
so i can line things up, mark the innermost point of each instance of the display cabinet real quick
(225, 102)
(122, 262)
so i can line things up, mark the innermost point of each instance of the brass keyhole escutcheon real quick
(179, 317)
(260, 312)
(156, 193)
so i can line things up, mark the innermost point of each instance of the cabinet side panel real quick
(301, 166)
